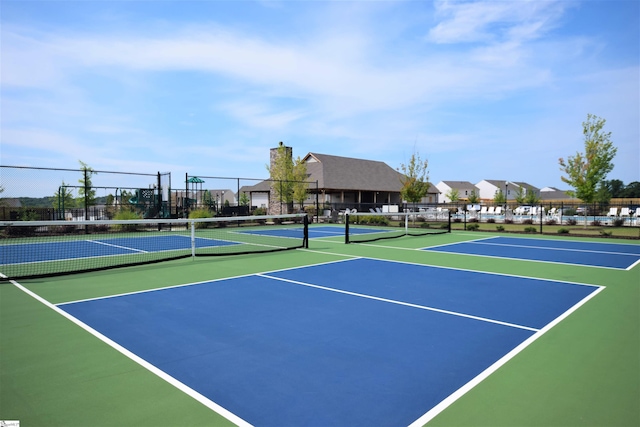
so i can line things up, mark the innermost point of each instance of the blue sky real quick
(482, 89)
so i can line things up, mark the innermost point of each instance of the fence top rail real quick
(149, 221)
(82, 170)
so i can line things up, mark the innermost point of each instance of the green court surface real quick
(584, 371)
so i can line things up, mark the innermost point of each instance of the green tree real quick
(207, 199)
(520, 195)
(531, 198)
(453, 195)
(280, 172)
(244, 199)
(473, 197)
(300, 185)
(632, 190)
(615, 187)
(63, 198)
(585, 171)
(603, 193)
(415, 179)
(499, 198)
(86, 194)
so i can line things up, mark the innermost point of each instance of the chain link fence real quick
(33, 193)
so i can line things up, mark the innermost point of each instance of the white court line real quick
(451, 268)
(528, 260)
(551, 248)
(203, 282)
(422, 307)
(433, 412)
(140, 361)
(633, 265)
(116, 246)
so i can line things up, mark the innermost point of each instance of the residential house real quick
(552, 193)
(464, 189)
(490, 187)
(343, 182)
(526, 189)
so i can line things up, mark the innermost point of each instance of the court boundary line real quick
(479, 242)
(402, 303)
(526, 259)
(556, 239)
(456, 268)
(203, 282)
(449, 400)
(225, 413)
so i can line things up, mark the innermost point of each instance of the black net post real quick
(464, 213)
(305, 242)
(86, 194)
(346, 228)
(541, 211)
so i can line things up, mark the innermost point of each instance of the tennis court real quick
(403, 332)
(594, 254)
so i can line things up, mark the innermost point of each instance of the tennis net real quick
(50, 248)
(368, 226)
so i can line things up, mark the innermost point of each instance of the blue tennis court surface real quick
(72, 249)
(354, 343)
(596, 254)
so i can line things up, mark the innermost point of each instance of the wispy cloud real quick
(354, 78)
(494, 21)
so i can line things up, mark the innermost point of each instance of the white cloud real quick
(260, 115)
(494, 21)
(343, 75)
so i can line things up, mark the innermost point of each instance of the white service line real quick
(422, 307)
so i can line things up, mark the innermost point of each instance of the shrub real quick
(473, 226)
(550, 222)
(259, 211)
(126, 214)
(28, 215)
(473, 220)
(596, 223)
(491, 221)
(374, 219)
(500, 228)
(530, 230)
(563, 231)
(572, 221)
(618, 222)
(606, 233)
(528, 221)
(64, 229)
(200, 213)
(19, 231)
(508, 221)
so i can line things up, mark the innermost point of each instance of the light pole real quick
(506, 195)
